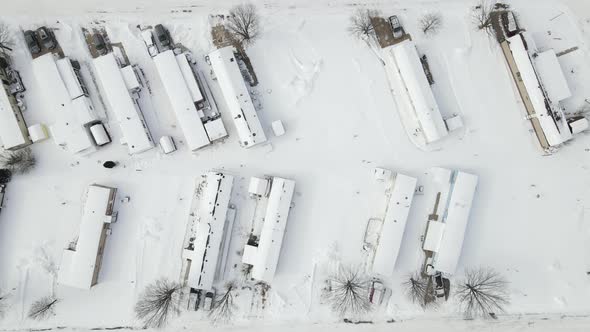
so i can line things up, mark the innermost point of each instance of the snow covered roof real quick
(129, 118)
(266, 257)
(551, 76)
(237, 97)
(394, 224)
(181, 100)
(413, 93)
(556, 132)
(69, 77)
(189, 78)
(13, 130)
(455, 192)
(211, 225)
(70, 116)
(79, 267)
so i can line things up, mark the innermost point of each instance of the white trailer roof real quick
(273, 230)
(454, 217)
(551, 76)
(407, 78)
(66, 70)
(181, 100)
(189, 78)
(12, 134)
(211, 214)
(127, 112)
(78, 266)
(237, 97)
(68, 128)
(394, 224)
(554, 134)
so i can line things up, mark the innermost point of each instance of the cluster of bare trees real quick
(431, 23)
(348, 292)
(19, 161)
(244, 23)
(223, 310)
(483, 293)
(158, 302)
(43, 308)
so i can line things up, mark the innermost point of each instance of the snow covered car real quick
(32, 42)
(377, 292)
(46, 38)
(208, 302)
(398, 30)
(99, 134)
(99, 44)
(162, 38)
(148, 39)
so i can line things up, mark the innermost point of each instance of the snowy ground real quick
(530, 218)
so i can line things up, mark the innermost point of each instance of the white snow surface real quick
(529, 219)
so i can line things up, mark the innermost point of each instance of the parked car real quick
(32, 42)
(46, 38)
(99, 134)
(398, 30)
(162, 36)
(99, 44)
(439, 286)
(208, 302)
(148, 39)
(377, 292)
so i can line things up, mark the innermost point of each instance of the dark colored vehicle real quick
(398, 30)
(32, 42)
(162, 36)
(99, 44)
(46, 38)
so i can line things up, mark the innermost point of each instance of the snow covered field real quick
(530, 218)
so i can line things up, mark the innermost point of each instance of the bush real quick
(19, 161)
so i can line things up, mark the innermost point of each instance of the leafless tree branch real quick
(431, 23)
(418, 291)
(482, 16)
(483, 293)
(348, 292)
(223, 310)
(158, 302)
(244, 23)
(43, 308)
(361, 26)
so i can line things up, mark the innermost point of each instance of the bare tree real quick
(244, 23)
(418, 291)
(361, 26)
(158, 302)
(19, 161)
(348, 292)
(43, 308)
(483, 293)
(223, 310)
(482, 16)
(6, 40)
(431, 23)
